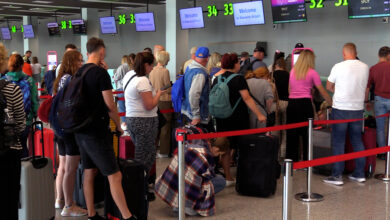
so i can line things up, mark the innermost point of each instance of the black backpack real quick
(247, 66)
(73, 111)
(8, 136)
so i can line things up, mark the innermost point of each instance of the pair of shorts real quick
(67, 145)
(97, 152)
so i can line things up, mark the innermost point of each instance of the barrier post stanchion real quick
(309, 196)
(182, 197)
(386, 176)
(287, 188)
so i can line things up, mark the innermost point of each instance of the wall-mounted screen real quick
(368, 8)
(53, 29)
(6, 34)
(284, 11)
(191, 18)
(144, 22)
(108, 25)
(248, 13)
(79, 27)
(28, 31)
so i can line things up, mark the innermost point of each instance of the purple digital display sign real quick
(286, 2)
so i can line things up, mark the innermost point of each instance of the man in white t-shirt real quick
(348, 81)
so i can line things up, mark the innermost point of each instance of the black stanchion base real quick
(304, 197)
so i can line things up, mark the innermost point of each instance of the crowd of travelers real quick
(258, 96)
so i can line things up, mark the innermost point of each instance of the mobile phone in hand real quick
(165, 88)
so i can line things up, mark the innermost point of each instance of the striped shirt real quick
(15, 105)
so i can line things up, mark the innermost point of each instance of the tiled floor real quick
(352, 201)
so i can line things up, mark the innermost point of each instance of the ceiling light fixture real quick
(112, 2)
(42, 2)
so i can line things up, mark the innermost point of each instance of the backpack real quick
(73, 110)
(247, 66)
(177, 93)
(50, 77)
(25, 87)
(8, 136)
(219, 101)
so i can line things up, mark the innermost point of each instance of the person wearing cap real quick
(288, 58)
(258, 55)
(195, 107)
(188, 62)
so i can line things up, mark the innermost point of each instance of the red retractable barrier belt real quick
(45, 96)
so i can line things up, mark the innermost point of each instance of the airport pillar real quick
(176, 39)
(93, 29)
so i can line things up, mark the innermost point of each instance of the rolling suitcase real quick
(258, 167)
(369, 141)
(50, 148)
(322, 147)
(37, 185)
(78, 193)
(135, 189)
(127, 151)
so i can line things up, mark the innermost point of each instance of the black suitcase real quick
(258, 167)
(135, 188)
(322, 147)
(78, 193)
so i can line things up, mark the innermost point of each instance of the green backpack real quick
(219, 102)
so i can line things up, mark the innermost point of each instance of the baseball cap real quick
(299, 45)
(202, 52)
(259, 49)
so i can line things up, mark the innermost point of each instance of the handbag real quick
(271, 117)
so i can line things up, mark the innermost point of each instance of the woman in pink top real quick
(303, 78)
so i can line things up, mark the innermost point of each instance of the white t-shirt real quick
(36, 68)
(350, 78)
(133, 99)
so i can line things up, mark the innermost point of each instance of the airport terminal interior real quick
(45, 27)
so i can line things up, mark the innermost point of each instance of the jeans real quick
(338, 140)
(219, 183)
(121, 105)
(382, 106)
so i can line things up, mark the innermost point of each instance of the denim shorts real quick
(67, 145)
(97, 152)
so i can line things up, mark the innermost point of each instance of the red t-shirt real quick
(27, 69)
(380, 78)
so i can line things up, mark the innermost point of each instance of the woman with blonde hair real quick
(262, 92)
(159, 77)
(214, 63)
(303, 78)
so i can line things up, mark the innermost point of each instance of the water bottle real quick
(8, 120)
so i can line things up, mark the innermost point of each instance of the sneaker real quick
(161, 155)
(60, 203)
(96, 217)
(124, 126)
(230, 183)
(73, 211)
(357, 179)
(338, 181)
(190, 212)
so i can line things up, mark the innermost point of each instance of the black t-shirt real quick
(239, 120)
(97, 80)
(282, 78)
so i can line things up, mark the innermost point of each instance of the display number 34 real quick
(320, 3)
